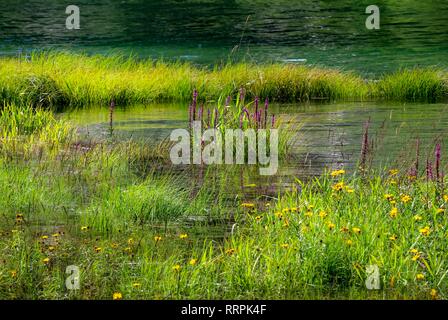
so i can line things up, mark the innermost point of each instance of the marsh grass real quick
(58, 80)
(85, 204)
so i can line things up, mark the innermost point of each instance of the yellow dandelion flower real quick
(46, 260)
(117, 296)
(425, 231)
(418, 217)
(393, 172)
(286, 210)
(338, 186)
(393, 213)
(336, 173)
(331, 225)
(193, 262)
(176, 267)
(389, 197)
(157, 238)
(420, 276)
(445, 197)
(356, 230)
(344, 229)
(433, 294)
(322, 214)
(294, 209)
(183, 236)
(98, 249)
(278, 215)
(405, 198)
(393, 237)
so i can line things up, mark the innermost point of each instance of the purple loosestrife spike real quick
(438, 155)
(266, 106)
(429, 175)
(256, 107)
(216, 117)
(190, 109)
(195, 101)
(242, 94)
(201, 113)
(208, 118)
(228, 101)
(365, 145)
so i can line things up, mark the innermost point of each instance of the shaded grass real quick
(58, 80)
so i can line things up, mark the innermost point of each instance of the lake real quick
(327, 33)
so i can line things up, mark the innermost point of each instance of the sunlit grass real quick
(58, 80)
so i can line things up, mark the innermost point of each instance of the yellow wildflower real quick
(331, 225)
(193, 262)
(405, 198)
(183, 236)
(393, 172)
(130, 241)
(322, 214)
(230, 251)
(136, 285)
(433, 294)
(393, 237)
(98, 249)
(389, 197)
(157, 238)
(425, 231)
(284, 245)
(117, 296)
(349, 242)
(338, 186)
(418, 217)
(440, 210)
(248, 205)
(176, 267)
(420, 276)
(356, 230)
(393, 213)
(336, 173)
(84, 228)
(445, 197)
(46, 260)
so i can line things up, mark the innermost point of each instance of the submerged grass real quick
(58, 80)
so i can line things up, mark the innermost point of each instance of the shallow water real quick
(330, 33)
(327, 135)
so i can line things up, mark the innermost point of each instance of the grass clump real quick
(58, 80)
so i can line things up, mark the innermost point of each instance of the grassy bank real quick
(112, 210)
(59, 80)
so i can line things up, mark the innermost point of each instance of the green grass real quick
(59, 80)
(98, 206)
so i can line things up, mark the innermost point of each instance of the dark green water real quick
(329, 33)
